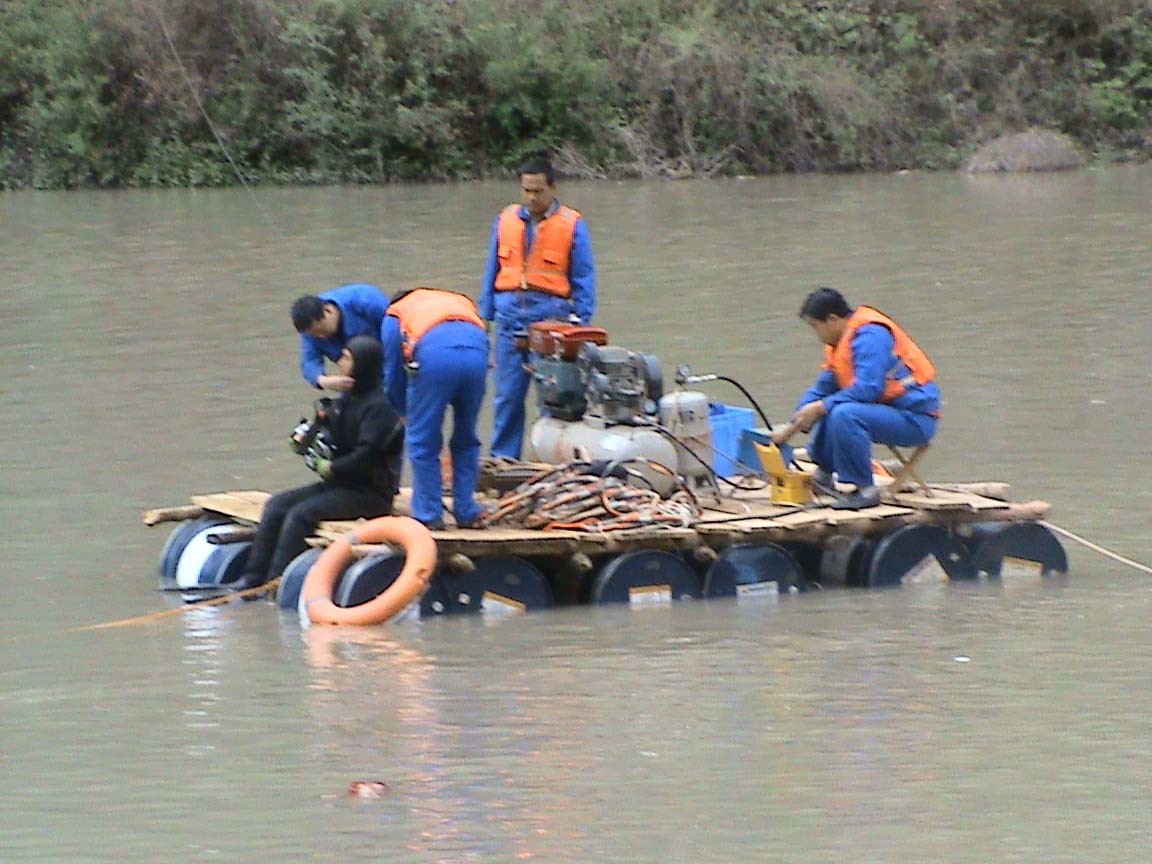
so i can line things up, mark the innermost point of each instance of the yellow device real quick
(788, 486)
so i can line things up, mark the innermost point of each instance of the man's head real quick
(827, 312)
(537, 186)
(316, 317)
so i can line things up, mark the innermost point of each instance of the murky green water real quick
(147, 354)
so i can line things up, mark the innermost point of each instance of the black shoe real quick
(247, 580)
(861, 499)
(477, 521)
(433, 525)
(822, 482)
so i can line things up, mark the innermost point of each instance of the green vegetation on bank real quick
(109, 92)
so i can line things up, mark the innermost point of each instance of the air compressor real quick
(604, 402)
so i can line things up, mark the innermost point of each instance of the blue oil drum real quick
(499, 585)
(367, 579)
(178, 541)
(1016, 550)
(807, 556)
(204, 563)
(292, 579)
(748, 571)
(844, 561)
(645, 577)
(918, 554)
(226, 564)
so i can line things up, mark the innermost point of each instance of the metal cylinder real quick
(685, 414)
(560, 441)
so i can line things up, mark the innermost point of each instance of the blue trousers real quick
(511, 389)
(448, 376)
(842, 440)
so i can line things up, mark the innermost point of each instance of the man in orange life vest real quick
(436, 355)
(876, 384)
(540, 267)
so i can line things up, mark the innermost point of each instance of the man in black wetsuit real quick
(360, 477)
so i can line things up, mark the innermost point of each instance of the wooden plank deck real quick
(746, 516)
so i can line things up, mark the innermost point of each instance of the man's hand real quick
(806, 417)
(339, 383)
(322, 466)
(783, 433)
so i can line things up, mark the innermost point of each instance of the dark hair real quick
(539, 165)
(823, 302)
(306, 311)
(367, 363)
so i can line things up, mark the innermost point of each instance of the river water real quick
(147, 355)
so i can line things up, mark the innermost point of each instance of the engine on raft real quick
(607, 403)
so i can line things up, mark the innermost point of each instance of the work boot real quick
(862, 498)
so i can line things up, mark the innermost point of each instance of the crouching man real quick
(876, 385)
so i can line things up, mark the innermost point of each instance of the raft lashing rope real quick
(594, 497)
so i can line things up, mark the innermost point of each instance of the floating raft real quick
(741, 545)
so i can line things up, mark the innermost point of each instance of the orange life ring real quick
(419, 562)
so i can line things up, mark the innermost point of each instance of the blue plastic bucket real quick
(728, 423)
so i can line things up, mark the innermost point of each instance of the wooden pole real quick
(173, 514)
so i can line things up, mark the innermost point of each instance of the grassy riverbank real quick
(167, 92)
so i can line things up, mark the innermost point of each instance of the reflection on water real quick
(148, 355)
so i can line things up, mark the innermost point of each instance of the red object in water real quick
(368, 790)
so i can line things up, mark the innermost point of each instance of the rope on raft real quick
(574, 497)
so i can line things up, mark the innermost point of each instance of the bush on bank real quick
(197, 92)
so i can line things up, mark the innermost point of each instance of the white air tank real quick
(685, 414)
(559, 441)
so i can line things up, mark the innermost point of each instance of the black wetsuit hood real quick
(367, 363)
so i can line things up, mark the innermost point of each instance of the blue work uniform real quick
(362, 307)
(515, 310)
(841, 442)
(451, 367)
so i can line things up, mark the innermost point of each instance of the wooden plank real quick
(985, 488)
(837, 518)
(246, 505)
(947, 499)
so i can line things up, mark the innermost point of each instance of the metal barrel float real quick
(750, 570)
(913, 554)
(498, 585)
(190, 558)
(1014, 550)
(292, 579)
(645, 577)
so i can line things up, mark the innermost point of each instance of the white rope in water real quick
(1143, 568)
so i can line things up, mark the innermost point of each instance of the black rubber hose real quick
(747, 396)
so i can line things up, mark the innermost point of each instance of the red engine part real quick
(563, 339)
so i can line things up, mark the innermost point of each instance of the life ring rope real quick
(419, 563)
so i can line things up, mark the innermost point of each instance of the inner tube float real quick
(419, 563)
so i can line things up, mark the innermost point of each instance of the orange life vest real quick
(546, 268)
(420, 309)
(910, 365)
